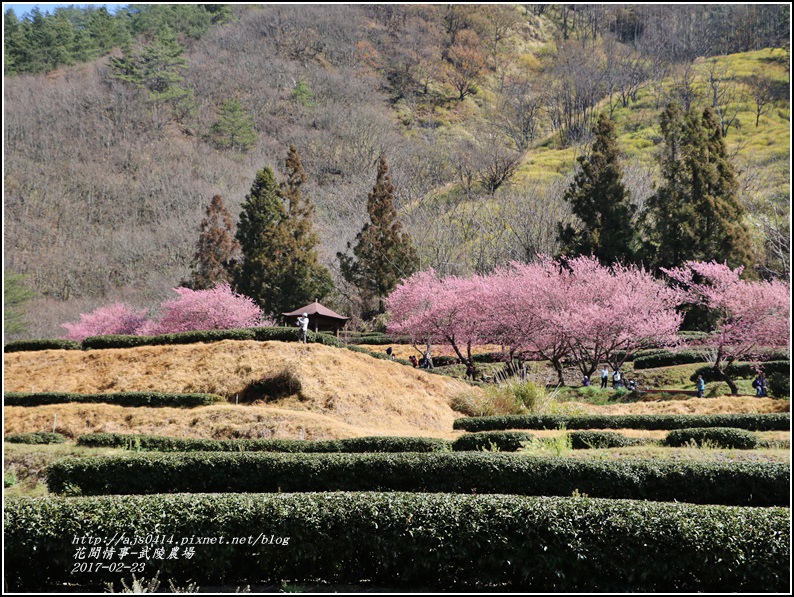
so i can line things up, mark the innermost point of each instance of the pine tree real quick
(383, 254)
(695, 215)
(601, 202)
(234, 128)
(216, 250)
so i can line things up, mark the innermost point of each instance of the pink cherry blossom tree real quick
(520, 314)
(612, 312)
(751, 315)
(430, 309)
(219, 308)
(574, 309)
(117, 318)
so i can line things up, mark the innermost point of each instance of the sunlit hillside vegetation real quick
(481, 111)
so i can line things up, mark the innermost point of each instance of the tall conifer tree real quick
(280, 268)
(601, 202)
(695, 215)
(304, 279)
(383, 254)
(262, 241)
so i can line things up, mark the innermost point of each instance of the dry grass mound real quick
(341, 393)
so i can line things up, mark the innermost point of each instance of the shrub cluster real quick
(262, 334)
(175, 444)
(477, 542)
(751, 422)
(779, 385)
(375, 338)
(743, 370)
(44, 344)
(35, 438)
(495, 441)
(719, 437)
(584, 440)
(666, 358)
(117, 398)
(733, 483)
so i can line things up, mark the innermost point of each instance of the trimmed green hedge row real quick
(665, 358)
(744, 370)
(496, 441)
(583, 440)
(117, 398)
(745, 484)
(668, 359)
(720, 437)
(175, 444)
(281, 334)
(515, 543)
(751, 422)
(35, 438)
(41, 344)
(504, 441)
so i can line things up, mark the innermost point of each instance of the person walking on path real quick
(701, 386)
(759, 383)
(604, 377)
(303, 322)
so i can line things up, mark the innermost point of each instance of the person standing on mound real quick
(303, 322)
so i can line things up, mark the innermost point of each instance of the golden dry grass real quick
(344, 394)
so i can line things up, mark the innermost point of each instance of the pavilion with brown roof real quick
(321, 318)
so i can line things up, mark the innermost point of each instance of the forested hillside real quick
(115, 145)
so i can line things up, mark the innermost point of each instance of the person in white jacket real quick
(303, 322)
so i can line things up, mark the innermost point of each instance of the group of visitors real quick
(422, 363)
(618, 382)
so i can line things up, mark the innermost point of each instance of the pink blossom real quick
(216, 309)
(751, 314)
(117, 318)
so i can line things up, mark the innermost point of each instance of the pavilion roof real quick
(315, 309)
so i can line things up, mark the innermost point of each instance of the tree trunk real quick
(557, 364)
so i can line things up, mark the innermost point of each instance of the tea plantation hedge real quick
(35, 438)
(503, 441)
(744, 370)
(497, 441)
(583, 440)
(175, 444)
(485, 542)
(751, 422)
(281, 334)
(155, 399)
(733, 483)
(41, 344)
(719, 437)
(668, 359)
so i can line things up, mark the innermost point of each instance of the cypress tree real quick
(601, 202)
(695, 214)
(280, 268)
(383, 254)
(262, 241)
(216, 250)
(304, 279)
